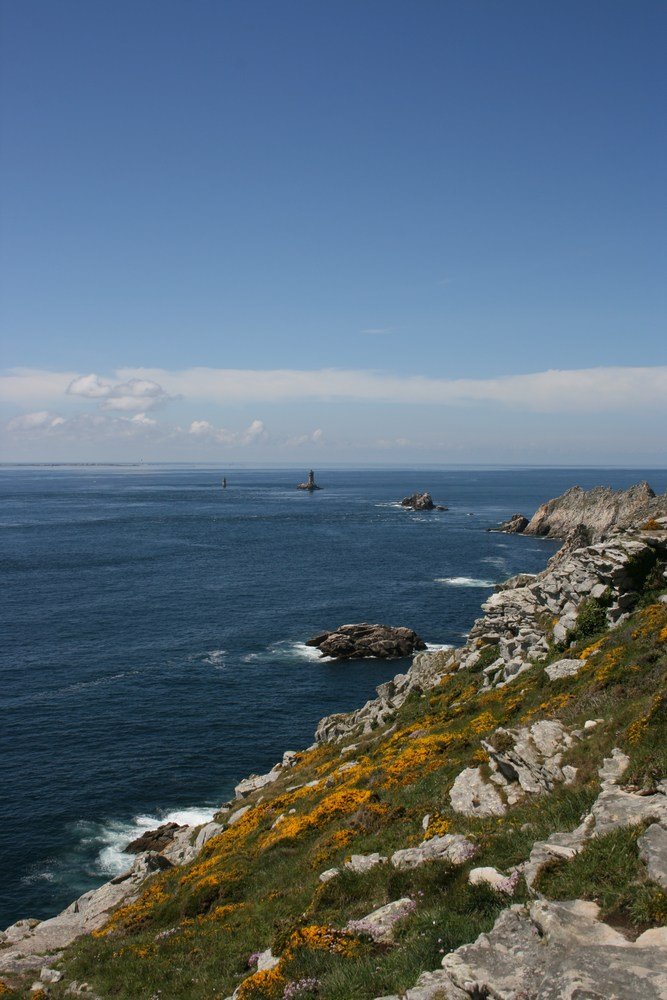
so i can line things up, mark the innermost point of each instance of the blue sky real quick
(297, 230)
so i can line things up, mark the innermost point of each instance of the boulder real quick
(351, 642)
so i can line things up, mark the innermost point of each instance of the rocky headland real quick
(591, 512)
(493, 824)
(349, 642)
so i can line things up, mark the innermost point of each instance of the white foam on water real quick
(215, 658)
(112, 837)
(464, 581)
(288, 650)
(433, 647)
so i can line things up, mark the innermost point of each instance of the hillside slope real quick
(493, 824)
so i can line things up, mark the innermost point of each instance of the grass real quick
(610, 872)
(256, 886)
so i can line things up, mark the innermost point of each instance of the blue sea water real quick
(154, 625)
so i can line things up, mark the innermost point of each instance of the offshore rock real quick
(421, 501)
(351, 642)
(515, 525)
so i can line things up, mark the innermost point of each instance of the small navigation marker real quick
(310, 485)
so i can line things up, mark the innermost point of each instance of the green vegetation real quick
(256, 884)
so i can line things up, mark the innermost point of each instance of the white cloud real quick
(317, 437)
(90, 386)
(252, 434)
(377, 330)
(43, 420)
(141, 420)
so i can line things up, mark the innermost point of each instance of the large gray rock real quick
(365, 640)
(452, 847)
(381, 923)
(564, 668)
(472, 795)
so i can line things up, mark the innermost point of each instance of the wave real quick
(465, 581)
(287, 649)
(433, 647)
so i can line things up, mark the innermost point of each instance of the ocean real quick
(154, 629)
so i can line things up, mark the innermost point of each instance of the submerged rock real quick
(351, 642)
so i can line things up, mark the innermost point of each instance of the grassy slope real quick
(193, 929)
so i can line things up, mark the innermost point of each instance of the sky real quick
(361, 231)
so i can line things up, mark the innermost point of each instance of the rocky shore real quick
(549, 719)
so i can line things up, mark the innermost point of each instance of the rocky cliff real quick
(493, 824)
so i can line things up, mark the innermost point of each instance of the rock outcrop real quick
(351, 642)
(154, 840)
(421, 501)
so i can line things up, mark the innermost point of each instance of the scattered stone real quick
(329, 874)
(364, 640)
(266, 960)
(361, 863)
